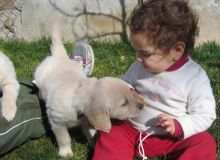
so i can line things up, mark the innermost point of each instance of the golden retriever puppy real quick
(68, 93)
(9, 86)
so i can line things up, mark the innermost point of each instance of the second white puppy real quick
(9, 86)
(68, 93)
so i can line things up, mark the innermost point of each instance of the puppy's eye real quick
(125, 103)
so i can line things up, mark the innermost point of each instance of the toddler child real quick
(180, 103)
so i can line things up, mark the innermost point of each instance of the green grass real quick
(208, 55)
(112, 59)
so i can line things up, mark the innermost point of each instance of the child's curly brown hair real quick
(165, 22)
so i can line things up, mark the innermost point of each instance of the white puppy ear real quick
(139, 98)
(99, 118)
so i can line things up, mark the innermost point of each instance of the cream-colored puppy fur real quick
(69, 93)
(9, 86)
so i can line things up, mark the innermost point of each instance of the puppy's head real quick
(112, 98)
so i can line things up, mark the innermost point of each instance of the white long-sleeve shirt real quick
(185, 94)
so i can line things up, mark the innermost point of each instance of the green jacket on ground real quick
(28, 122)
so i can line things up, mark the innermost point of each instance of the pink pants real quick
(122, 141)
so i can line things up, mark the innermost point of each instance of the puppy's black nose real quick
(140, 106)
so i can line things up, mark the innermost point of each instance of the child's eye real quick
(144, 54)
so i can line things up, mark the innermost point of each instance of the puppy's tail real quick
(57, 48)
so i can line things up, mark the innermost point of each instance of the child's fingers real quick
(163, 117)
(166, 122)
(168, 127)
(168, 130)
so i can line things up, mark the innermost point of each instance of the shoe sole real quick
(93, 59)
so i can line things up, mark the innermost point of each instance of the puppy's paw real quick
(9, 112)
(65, 151)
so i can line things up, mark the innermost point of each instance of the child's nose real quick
(139, 59)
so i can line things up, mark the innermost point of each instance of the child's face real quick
(155, 60)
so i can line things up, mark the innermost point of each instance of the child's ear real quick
(178, 50)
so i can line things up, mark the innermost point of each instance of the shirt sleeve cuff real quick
(178, 133)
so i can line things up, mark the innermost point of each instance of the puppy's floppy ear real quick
(99, 118)
(138, 97)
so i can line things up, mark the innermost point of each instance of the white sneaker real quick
(83, 54)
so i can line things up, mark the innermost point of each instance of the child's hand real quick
(167, 123)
